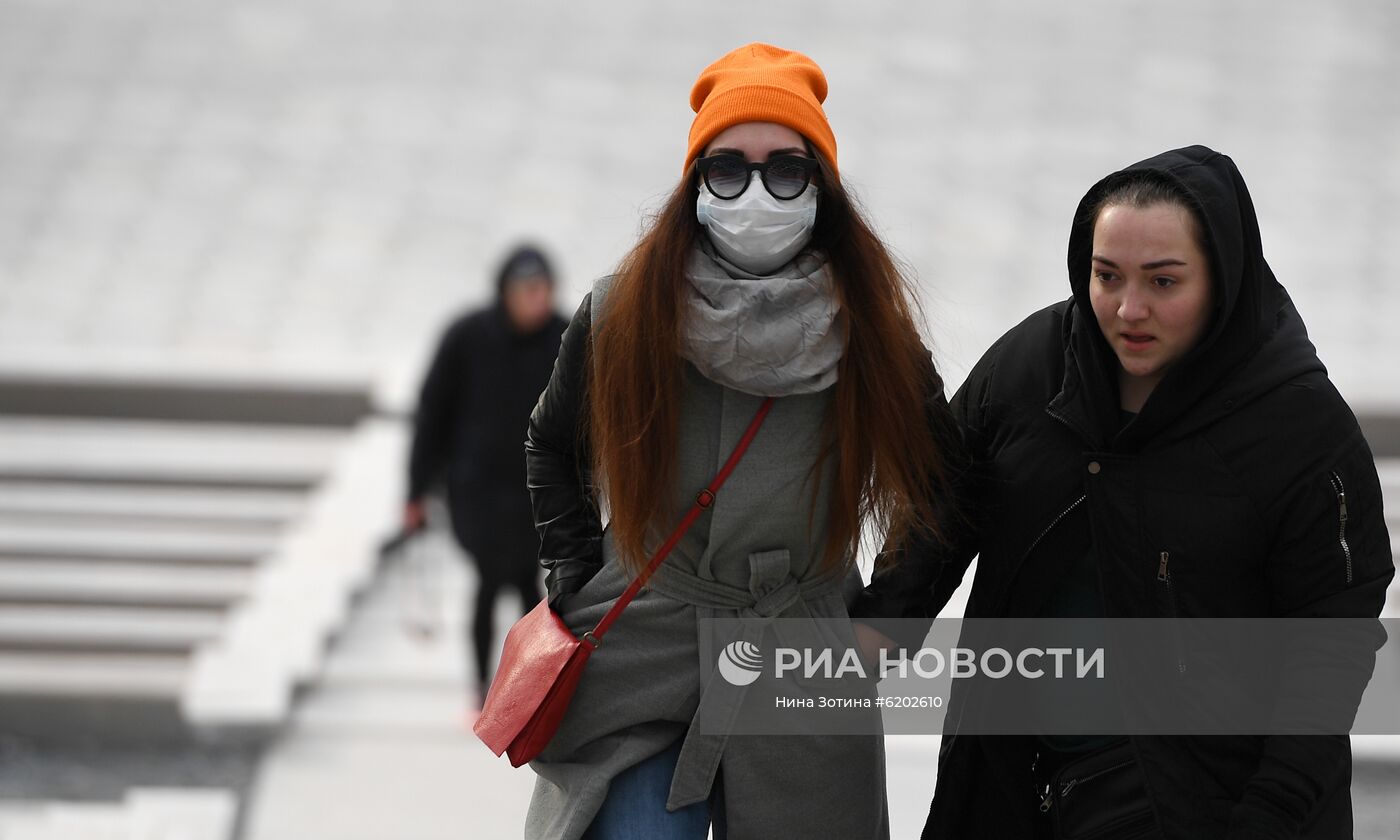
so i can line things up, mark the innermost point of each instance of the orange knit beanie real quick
(761, 83)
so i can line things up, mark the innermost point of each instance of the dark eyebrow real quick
(1145, 266)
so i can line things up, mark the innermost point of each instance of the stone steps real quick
(167, 576)
(204, 507)
(142, 814)
(187, 393)
(1389, 470)
(45, 627)
(104, 582)
(66, 449)
(92, 675)
(85, 695)
(133, 543)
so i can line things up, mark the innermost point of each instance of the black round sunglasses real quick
(784, 176)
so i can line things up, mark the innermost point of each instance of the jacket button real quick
(1094, 468)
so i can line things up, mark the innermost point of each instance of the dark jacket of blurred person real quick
(475, 404)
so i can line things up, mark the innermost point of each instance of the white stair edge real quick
(144, 814)
(157, 677)
(64, 500)
(46, 447)
(85, 626)
(1376, 747)
(183, 813)
(122, 582)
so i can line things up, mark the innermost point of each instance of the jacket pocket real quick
(1340, 490)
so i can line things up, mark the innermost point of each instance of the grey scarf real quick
(771, 336)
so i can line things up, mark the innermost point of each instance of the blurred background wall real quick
(316, 184)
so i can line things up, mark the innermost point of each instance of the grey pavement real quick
(381, 746)
(315, 186)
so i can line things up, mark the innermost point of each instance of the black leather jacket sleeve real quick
(557, 468)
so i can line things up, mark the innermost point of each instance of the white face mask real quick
(756, 231)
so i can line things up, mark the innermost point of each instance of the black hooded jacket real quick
(1245, 467)
(472, 416)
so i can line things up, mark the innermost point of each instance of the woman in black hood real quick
(473, 410)
(1164, 443)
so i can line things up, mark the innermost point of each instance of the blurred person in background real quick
(1163, 444)
(475, 403)
(759, 278)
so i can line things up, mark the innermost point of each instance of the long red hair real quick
(889, 466)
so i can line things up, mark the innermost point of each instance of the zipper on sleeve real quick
(1341, 491)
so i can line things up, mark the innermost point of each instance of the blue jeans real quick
(635, 808)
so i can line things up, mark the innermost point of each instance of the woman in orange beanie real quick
(759, 278)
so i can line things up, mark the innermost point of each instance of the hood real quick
(1254, 342)
(524, 260)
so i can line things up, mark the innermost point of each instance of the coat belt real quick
(772, 592)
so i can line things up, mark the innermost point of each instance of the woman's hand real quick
(414, 516)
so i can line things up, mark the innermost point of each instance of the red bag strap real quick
(703, 500)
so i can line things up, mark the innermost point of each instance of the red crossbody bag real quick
(542, 661)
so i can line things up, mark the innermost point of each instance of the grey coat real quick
(750, 555)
